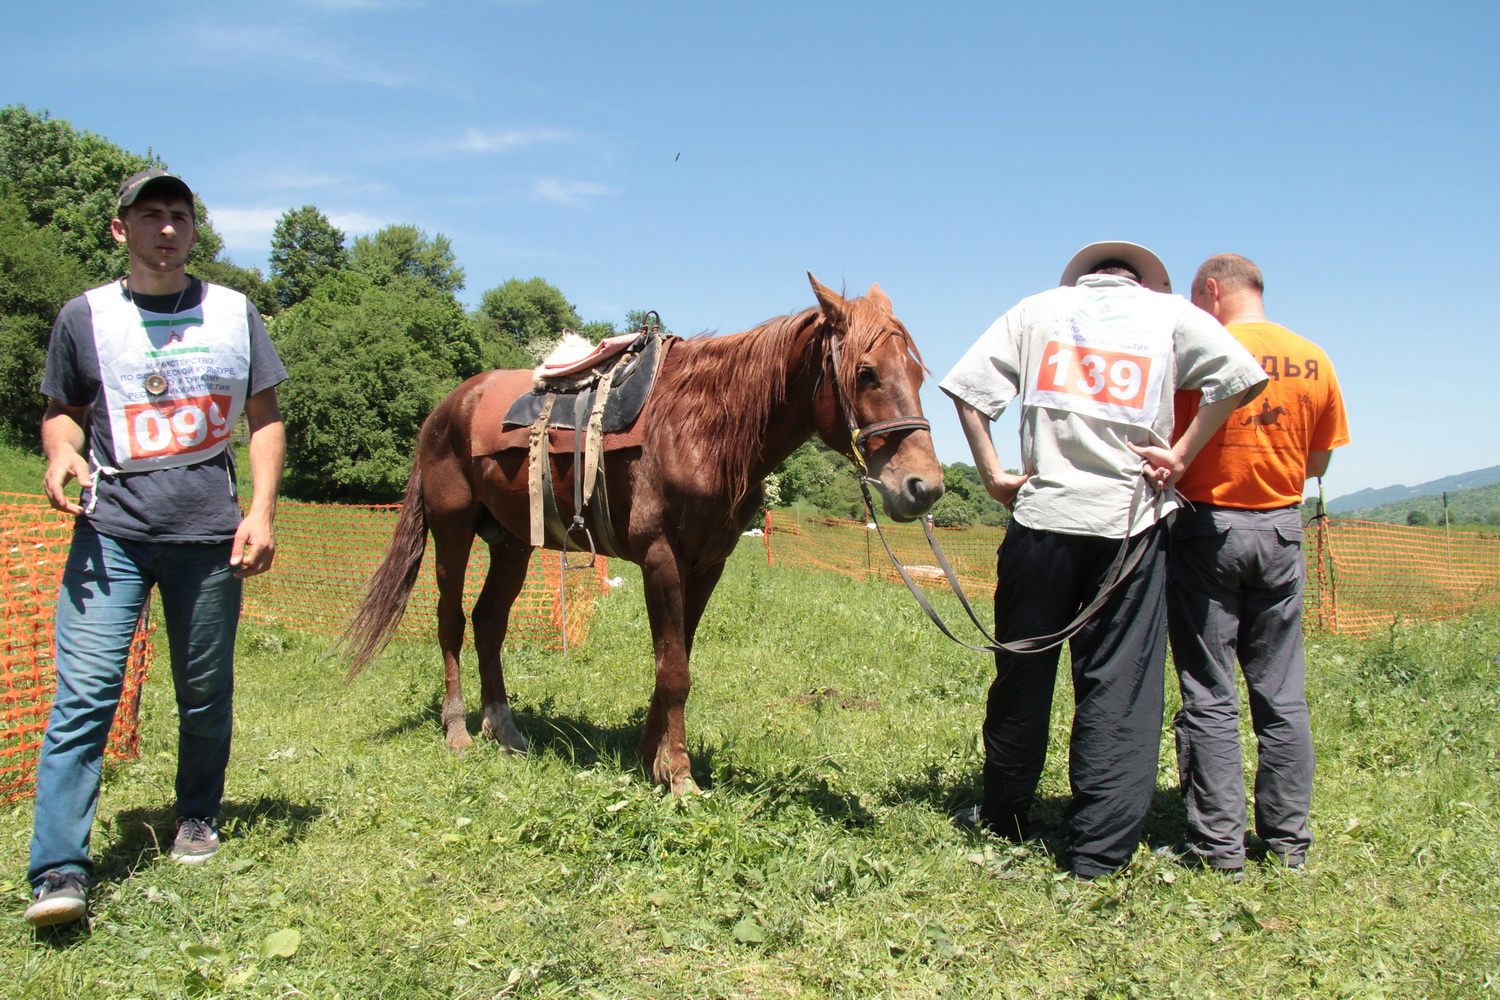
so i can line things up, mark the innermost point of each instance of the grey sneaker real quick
(62, 899)
(196, 842)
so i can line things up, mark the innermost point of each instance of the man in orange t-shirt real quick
(1235, 585)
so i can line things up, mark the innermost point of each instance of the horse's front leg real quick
(507, 575)
(451, 549)
(663, 744)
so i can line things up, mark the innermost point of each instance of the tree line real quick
(371, 330)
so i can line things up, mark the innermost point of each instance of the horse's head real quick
(868, 408)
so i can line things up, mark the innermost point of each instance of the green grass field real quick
(833, 730)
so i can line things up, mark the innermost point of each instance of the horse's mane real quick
(726, 388)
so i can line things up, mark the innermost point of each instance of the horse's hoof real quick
(515, 743)
(457, 741)
(500, 727)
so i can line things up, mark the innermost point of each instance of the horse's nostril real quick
(922, 492)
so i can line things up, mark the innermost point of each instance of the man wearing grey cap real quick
(1095, 363)
(146, 378)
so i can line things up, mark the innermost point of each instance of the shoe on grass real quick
(1185, 854)
(196, 842)
(62, 899)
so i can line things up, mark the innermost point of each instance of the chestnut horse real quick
(724, 413)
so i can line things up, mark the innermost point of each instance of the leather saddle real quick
(630, 375)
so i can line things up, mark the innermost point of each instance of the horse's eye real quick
(868, 376)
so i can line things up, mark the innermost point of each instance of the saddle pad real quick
(490, 435)
(632, 383)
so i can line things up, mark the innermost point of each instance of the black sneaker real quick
(196, 842)
(62, 899)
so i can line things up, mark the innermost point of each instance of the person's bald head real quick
(1227, 284)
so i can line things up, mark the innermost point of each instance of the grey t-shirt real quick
(190, 503)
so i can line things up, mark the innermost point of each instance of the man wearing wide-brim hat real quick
(1094, 363)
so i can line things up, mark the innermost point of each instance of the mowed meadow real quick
(833, 731)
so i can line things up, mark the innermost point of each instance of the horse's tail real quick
(380, 611)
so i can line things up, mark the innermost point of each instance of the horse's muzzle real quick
(915, 498)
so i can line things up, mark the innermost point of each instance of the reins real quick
(1125, 561)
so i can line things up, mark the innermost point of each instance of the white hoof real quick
(500, 727)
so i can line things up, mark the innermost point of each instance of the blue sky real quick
(698, 158)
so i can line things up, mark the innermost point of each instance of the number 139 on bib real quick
(1112, 378)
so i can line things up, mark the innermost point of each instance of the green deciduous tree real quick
(305, 248)
(519, 321)
(406, 251)
(35, 280)
(247, 280)
(806, 473)
(961, 482)
(68, 181)
(526, 310)
(367, 362)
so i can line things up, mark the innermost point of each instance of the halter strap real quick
(859, 436)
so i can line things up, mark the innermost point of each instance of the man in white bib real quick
(1095, 363)
(146, 378)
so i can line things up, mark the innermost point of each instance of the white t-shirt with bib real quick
(1095, 366)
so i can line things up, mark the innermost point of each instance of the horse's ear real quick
(879, 298)
(834, 306)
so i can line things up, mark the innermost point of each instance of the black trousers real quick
(1118, 661)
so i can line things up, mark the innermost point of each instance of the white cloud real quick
(244, 225)
(476, 141)
(356, 223)
(266, 45)
(574, 193)
(241, 224)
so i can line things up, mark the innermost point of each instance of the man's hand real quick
(63, 443)
(1162, 467)
(254, 547)
(60, 471)
(1004, 486)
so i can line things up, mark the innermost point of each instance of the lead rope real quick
(1125, 561)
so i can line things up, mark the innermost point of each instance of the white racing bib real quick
(174, 384)
(1099, 364)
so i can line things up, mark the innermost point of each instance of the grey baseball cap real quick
(138, 182)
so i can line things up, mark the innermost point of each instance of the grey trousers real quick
(1235, 591)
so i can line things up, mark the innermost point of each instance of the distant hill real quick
(1367, 499)
(1480, 506)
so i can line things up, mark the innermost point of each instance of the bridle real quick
(860, 436)
(1125, 561)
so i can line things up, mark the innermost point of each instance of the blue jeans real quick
(105, 585)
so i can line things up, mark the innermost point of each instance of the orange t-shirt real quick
(1258, 459)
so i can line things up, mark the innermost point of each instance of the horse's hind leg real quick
(502, 584)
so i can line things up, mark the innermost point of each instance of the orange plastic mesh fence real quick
(325, 553)
(1361, 575)
(33, 548)
(1372, 574)
(851, 548)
